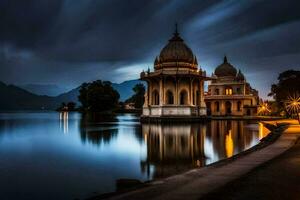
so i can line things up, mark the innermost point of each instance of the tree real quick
(288, 85)
(138, 97)
(71, 106)
(98, 96)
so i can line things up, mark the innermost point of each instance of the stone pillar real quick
(222, 108)
(161, 92)
(191, 92)
(201, 93)
(176, 92)
(149, 93)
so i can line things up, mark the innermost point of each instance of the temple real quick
(176, 86)
(229, 94)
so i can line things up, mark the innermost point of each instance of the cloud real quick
(73, 41)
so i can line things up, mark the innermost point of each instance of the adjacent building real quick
(230, 94)
(176, 86)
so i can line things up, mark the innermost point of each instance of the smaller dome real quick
(225, 69)
(240, 76)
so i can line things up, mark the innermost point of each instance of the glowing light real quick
(263, 108)
(292, 105)
(229, 144)
(228, 91)
(263, 131)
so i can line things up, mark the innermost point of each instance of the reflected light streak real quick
(64, 121)
(262, 131)
(229, 144)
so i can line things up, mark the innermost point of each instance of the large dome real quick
(225, 69)
(176, 53)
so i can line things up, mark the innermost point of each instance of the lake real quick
(54, 155)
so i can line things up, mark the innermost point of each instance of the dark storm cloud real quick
(73, 41)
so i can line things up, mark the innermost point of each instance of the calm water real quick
(69, 156)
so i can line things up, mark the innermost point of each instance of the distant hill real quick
(125, 88)
(44, 89)
(71, 95)
(15, 98)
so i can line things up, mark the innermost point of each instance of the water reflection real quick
(64, 122)
(98, 129)
(44, 155)
(173, 148)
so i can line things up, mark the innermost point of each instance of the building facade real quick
(230, 94)
(176, 86)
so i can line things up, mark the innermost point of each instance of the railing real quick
(174, 110)
(173, 72)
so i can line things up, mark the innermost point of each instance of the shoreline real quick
(211, 176)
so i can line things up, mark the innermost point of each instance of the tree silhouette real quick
(288, 84)
(98, 96)
(138, 97)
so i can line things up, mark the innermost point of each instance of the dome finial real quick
(176, 29)
(225, 59)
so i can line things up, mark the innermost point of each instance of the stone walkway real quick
(199, 182)
(277, 179)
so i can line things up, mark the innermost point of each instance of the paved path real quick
(199, 182)
(277, 179)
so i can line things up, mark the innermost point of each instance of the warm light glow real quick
(262, 131)
(292, 105)
(228, 91)
(263, 108)
(229, 144)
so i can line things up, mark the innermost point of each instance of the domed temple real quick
(230, 94)
(176, 86)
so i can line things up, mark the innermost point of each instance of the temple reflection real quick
(173, 148)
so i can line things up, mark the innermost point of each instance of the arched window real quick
(217, 91)
(239, 105)
(228, 91)
(170, 97)
(228, 107)
(217, 106)
(183, 98)
(155, 97)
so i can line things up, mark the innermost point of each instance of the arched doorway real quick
(208, 108)
(248, 112)
(228, 107)
(183, 98)
(170, 97)
(155, 97)
(239, 106)
(217, 106)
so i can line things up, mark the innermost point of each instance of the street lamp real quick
(292, 105)
(263, 108)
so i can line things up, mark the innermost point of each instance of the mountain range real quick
(16, 98)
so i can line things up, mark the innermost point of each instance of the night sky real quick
(67, 42)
